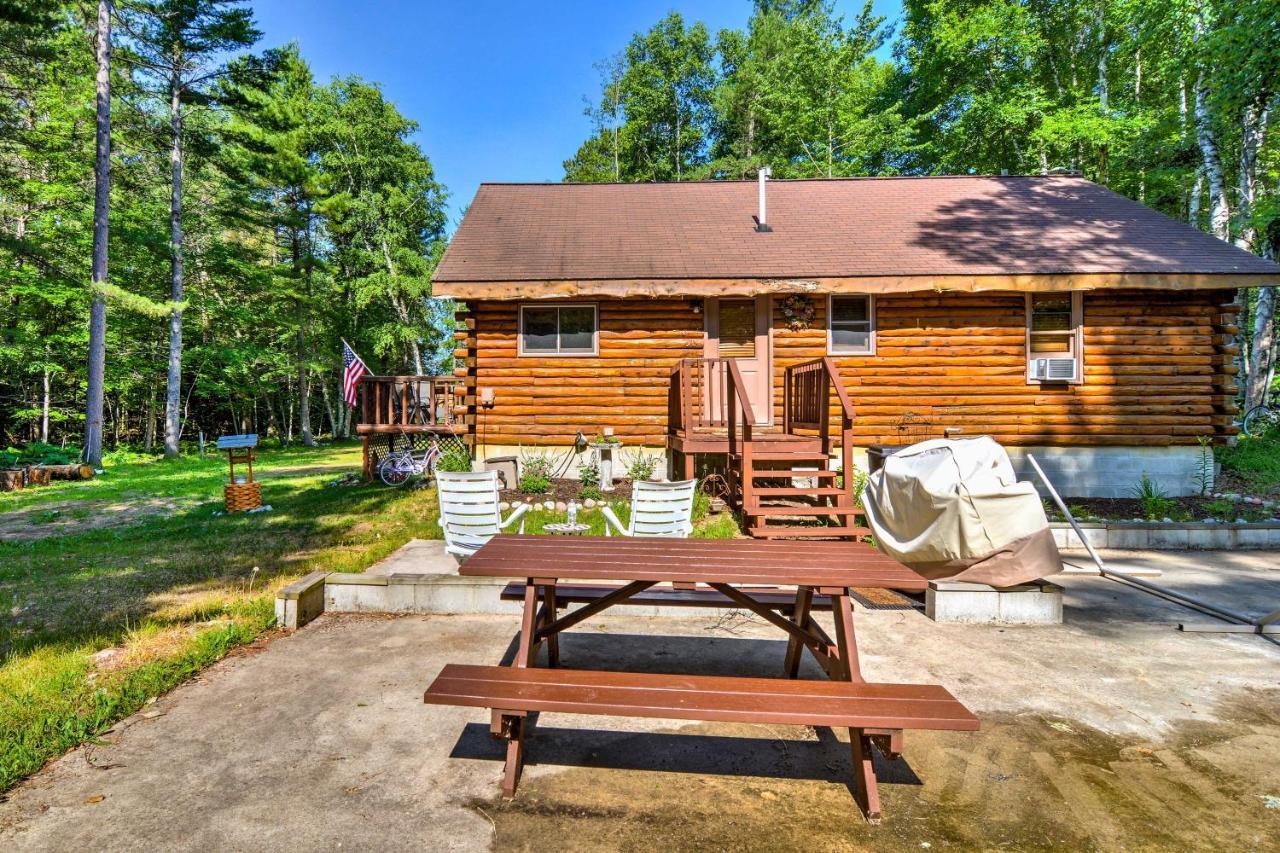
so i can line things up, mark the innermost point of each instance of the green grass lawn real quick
(1255, 462)
(141, 560)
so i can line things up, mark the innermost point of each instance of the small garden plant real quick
(589, 476)
(641, 467)
(535, 473)
(1155, 501)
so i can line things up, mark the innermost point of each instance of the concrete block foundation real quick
(1035, 603)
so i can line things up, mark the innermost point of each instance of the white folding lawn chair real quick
(469, 512)
(657, 509)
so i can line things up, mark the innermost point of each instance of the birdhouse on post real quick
(241, 493)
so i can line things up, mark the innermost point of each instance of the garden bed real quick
(1229, 507)
(563, 491)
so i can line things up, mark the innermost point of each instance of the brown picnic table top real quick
(707, 561)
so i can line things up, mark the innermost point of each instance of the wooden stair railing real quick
(807, 402)
(391, 404)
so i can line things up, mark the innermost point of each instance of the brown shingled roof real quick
(825, 228)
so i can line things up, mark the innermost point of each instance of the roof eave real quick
(710, 287)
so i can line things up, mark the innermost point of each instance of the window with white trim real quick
(851, 324)
(559, 330)
(1055, 343)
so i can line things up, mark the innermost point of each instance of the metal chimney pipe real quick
(762, 221)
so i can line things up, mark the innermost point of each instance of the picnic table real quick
(783, 582)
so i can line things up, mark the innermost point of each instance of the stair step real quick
(788, 455)
(789, 491)
(787, 474)
(766, 532)
(804, 510)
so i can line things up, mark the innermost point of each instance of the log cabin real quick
(782, 332)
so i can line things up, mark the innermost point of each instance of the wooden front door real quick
(739, 329)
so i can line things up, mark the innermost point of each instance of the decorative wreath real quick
(797, 310)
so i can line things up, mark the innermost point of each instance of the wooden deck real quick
(781, 477)
(405, 410)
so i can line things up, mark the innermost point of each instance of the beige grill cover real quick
(955, 509)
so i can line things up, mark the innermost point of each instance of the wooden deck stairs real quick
(788, 483)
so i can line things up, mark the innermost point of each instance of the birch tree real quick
(177, 45)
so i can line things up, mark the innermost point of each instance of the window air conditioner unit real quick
(1053, 369)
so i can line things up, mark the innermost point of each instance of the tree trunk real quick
(44, 408)
(92, 453)
(1253, 133)
(149, 432)
(1220, 208)
(401, 309)
(1262, 349)
(328, 408)
(173, 394)
(300, 343)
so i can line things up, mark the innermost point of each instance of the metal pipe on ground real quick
(1243, 623)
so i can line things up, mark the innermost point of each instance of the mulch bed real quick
(563, 491)
(1182, 509)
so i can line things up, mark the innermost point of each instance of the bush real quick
(641, 467)
(536, 469)
(1256, 461)
(36, 453)
(1155, 500)
(454, 457)
(589, 493)
(589, 475)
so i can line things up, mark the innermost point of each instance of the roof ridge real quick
(752, 181)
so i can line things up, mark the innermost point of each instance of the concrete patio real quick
(1110, 730)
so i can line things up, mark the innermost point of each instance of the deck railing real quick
(700, 393)
(405, 403)
(807, 402)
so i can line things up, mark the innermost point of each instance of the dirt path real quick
(64, 518)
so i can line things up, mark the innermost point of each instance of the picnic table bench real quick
(743, 574)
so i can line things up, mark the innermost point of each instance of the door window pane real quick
(737, 328)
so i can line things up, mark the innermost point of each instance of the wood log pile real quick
(12, 479)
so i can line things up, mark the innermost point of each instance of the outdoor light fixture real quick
(487, 397)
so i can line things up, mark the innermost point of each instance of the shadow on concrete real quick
(826, 759)
(717, 653)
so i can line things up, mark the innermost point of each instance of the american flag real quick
(352, 369)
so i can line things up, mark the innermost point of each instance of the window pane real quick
(1041, 344)
(850, 338)
(1051, 312)
(850, 308)
(539, 329)
(737, 329)
(577, 329)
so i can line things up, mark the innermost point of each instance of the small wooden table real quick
(828, 569)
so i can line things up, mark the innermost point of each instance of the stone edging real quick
(1176, 536)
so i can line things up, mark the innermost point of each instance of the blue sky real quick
(496, 85)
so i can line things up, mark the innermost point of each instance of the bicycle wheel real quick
(395, 469)
(1259, 419)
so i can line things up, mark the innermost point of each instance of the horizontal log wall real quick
(547, 399)
(1158, 371)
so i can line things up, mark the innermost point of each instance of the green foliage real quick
(589, 475)
(536, 469)
(1204, 464)
(1155, 501)
(1255, 460)
(454, 456)
(641, 467)
(590, 493)
(36, 453)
